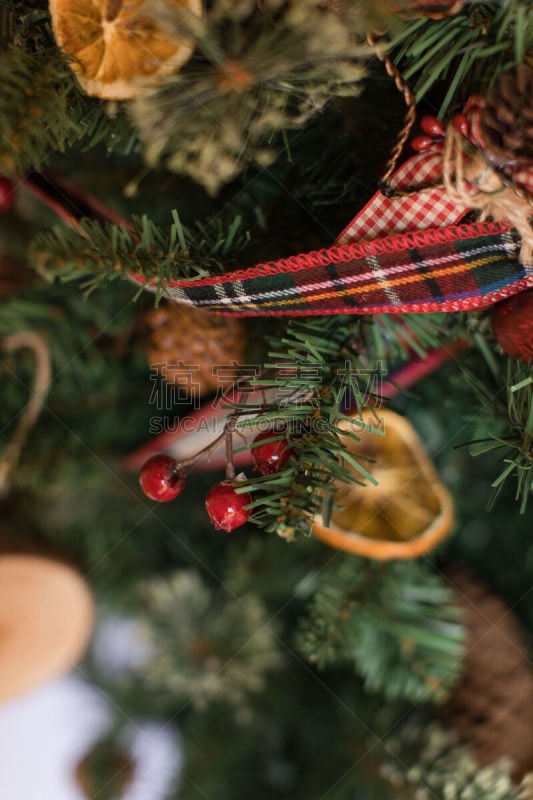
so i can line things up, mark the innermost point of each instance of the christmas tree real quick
(266, 317)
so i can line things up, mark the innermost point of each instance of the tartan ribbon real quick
(398, 255)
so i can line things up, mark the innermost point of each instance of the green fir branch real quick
(42, 108)
(99, 253)
(513, 438)
(397, 624)
(468, 50)
(312, 371)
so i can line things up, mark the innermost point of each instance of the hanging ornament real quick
(116, 48)
(46, 620)
(405, 512)
(512, 325)
(502, 125)
(488, 156)
(194, 349)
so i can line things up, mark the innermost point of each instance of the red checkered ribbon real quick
(399, 254)
(431, 208)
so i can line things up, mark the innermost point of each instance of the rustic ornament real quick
(117, 46)
(503, 124)
(512, 325)
(46, 620)
(409, 510)
(491, 708)
(190, 347)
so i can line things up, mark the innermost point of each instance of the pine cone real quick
(492, 706)
(195, 348)
(506, 123)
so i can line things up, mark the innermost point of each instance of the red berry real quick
(422, 143)
(432, 126)
(7, 194)
(460, 123)
(225, 507)
(270, 457)
(512, 325)
(161, 480)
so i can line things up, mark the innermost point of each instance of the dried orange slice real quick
(117, 46)
(406, 514)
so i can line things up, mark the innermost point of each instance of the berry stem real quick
(229, 427)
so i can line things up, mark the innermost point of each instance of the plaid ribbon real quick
(426, 265)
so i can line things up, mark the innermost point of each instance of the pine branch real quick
(468, 50)
(396, 624)
(515, 441)
(312, 369)
(254, 75)
(101, 253)
(42, 109)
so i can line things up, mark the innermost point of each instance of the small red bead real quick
(271, 456)
(225, 507)
(460, 123)
(432, 126)
(7, 194)
(161, 480)
(422, 143)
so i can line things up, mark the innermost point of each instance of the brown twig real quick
(409, 119)
(43, 374)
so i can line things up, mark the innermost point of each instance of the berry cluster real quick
(432, 137)
(162, 479)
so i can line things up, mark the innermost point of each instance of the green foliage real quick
(42, 109)
(218, 649)
(515, 441)
(255, 74)
(396, 623)
(101, 253)
(467, 50)
(314, 370)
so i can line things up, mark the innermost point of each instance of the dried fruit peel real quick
(406, 514)
(116, 46)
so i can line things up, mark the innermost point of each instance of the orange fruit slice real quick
(117, 46)
(409, 510)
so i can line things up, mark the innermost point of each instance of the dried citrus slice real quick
(117, 46)
(409, 510)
